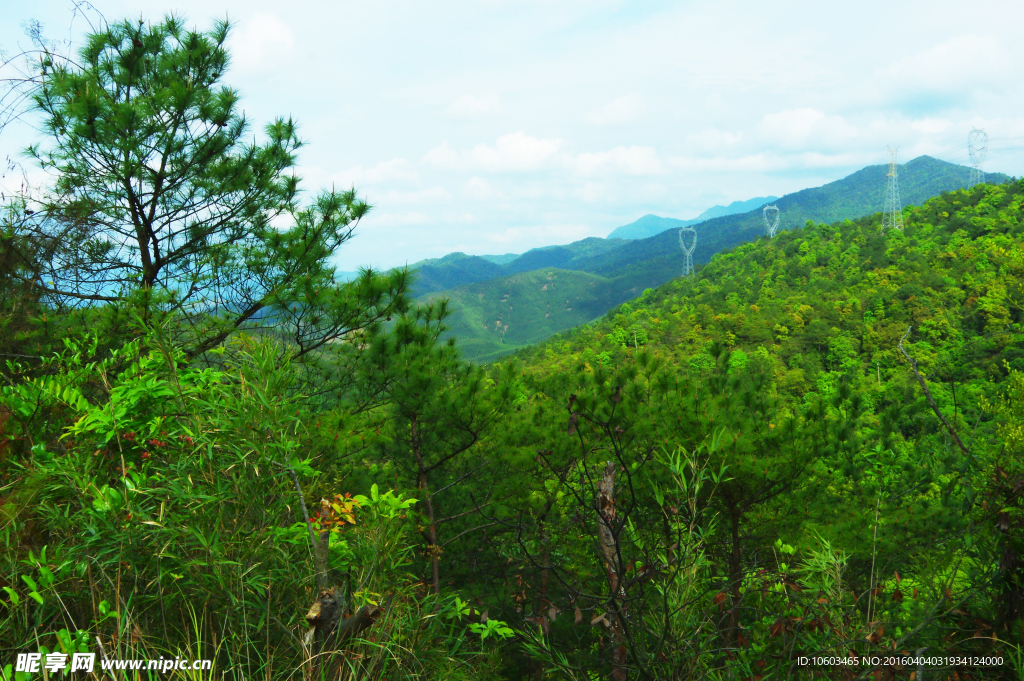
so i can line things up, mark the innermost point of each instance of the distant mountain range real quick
(500, 307)
(651, 225)
(456, 269)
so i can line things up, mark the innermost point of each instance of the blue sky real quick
(493, 127)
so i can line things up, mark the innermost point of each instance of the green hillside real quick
(495, 317)
(780, 366)
(832, 300)
(566, 257)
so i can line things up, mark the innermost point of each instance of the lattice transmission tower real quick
(892, 216)
(771, 220)
(687, 250)
(977, 148)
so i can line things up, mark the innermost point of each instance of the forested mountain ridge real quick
(453, 269)
(637, 265)
(814, 299)
(858, 194)
(458, 269)
(657, 259)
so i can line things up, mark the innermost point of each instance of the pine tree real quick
(160, 208)
(438, 409)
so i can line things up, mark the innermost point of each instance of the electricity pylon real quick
(687, 250)
(892, 216)
(771, 220)
(977, 148)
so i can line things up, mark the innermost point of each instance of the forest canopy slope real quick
(637, 265)
(829, 302)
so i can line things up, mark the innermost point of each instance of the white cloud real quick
(802, 128)
(759, 98)
(772, 162)
(398, 170)
(381, 219)
(545, 233)
(420, 196)
(712, 140)
(932, 126)
(954, 66)
(594, 192)
(619, 111)
(626, 160)
(481, 189)
(260, 42)
(519, 152)
(516, 152)
(470, 106)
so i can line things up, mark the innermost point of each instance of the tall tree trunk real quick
(542, 595)
(610, 555)
(735, 572)
(432, 548)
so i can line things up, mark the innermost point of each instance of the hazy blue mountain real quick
(501, 259)
(648, 226)
(651, 225)
(736, 207)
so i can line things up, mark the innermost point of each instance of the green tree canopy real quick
(162, 201)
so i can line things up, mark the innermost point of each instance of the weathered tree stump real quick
(328, 630)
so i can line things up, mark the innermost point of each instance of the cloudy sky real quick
(489, 126)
